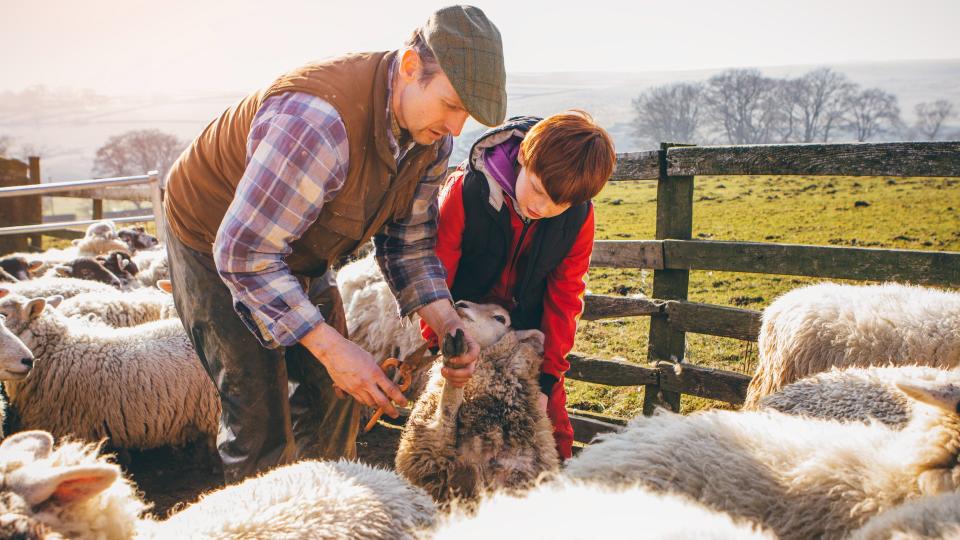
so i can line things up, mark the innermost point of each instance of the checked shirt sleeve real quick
(297, 158)
(405, 248)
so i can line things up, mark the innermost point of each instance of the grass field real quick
(905, 213)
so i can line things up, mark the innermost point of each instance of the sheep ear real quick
(34, 265)
(534, 338)
(67, 485)
(36, 444)
(54, 301)
(34, 308)
(942, 396)
(63, 270)
(165, 285)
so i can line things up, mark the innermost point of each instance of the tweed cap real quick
(470, 53)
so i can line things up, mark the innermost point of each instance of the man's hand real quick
(353, 369)
(444, 320)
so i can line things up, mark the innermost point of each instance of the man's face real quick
(427, 112)
(532, 198)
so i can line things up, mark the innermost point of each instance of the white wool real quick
(926, 518)
(814, 328)
(152, 265)
(65, 287)
(371, 311)
(857, 394)
(800, 477)
(310, 499)
(601, 512)
(141, 387)
(122, 308)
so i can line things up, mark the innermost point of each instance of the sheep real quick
(120, 265)
(82, 495)
(926, 518)
(152, 266)
(814, 328)
(15, 362)
(15, 357)
(371, 312)
(137, 238)
(101, 238)
(801, 477)
(40, 262)
(856, 394)
(141, 387)
(632, 512)
(490, 434)
(17, 524)
(19, 267)
(121, 309)
(87, 268)
(65, 287)
(5, 277)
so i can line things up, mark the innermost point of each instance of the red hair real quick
(572, 155)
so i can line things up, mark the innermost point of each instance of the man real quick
(281, 185)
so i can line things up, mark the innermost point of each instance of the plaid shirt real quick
(297, 160)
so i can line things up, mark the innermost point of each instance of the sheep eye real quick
(500, 318)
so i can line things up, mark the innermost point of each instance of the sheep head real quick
(934, 433)
(15, 358)
(74, 490)
(485, 323)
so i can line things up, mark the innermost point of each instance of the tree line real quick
(742, 106)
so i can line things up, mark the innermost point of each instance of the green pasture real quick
(905, 213)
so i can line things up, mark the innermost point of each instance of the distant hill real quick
(68, 131)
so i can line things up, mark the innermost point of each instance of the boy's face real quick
(532, 198)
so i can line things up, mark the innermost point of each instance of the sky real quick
(173, 46)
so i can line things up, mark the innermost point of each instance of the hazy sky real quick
(133, 46)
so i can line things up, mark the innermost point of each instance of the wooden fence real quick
(673, 254)
(145, 187)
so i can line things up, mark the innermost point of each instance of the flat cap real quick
(470, 53)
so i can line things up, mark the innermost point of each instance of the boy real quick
(516, 228)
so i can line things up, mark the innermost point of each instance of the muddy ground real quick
(168, 477)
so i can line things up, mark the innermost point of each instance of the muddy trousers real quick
(278, 404)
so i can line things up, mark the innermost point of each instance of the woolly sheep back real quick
(814, 328)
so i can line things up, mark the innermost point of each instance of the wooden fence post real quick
(34, 205)
(156, 200)
(97, 213)
(674, 221)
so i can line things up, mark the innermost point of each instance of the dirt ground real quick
(169, 477)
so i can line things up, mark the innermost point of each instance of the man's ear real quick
(410, 65)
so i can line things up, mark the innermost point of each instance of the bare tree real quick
(744, 105)
(931, 116)
(6, 145)
(136, 152)
(872, 112)
(669, 113)
(815, 103)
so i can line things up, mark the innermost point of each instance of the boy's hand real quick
(441, 316)
(542, 400)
